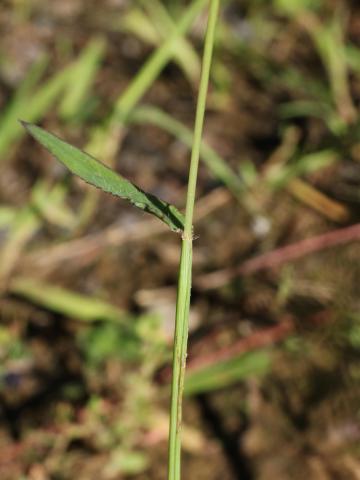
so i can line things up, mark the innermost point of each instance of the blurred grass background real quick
(87, 284)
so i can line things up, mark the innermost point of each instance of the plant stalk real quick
(184, 282)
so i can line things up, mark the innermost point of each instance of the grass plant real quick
(267, 70)
(215, 163)
(99, 175)
(33, 101)
(184, 285)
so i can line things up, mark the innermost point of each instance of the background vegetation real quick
(88, 284)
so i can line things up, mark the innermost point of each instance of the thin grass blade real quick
(228, 372)
(65, 302)
(101, 176)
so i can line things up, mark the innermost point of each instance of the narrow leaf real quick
(65, 302)
(101, 176)
(225, 373)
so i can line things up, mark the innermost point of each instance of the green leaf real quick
(84, 74)
(101, 176)
(227, 372)
(65, 302)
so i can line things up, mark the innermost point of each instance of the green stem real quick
(184, 284)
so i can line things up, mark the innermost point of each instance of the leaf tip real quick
(24, 124)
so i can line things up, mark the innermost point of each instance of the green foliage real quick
(129, 349)
(226, 373)
(216, 164)
(7, 216)
(353, 333)
(354, 336)
(155, 64)
(294, 7)
(132, 340)
(33, 101)
(21, 229)
(50, 204)
(99, 175)
(82, 77)
(102, 137)
(22, 224)
(65, 302)
(280, 175)
(108, 340)
(153, 25)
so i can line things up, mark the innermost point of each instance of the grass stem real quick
(184, 283)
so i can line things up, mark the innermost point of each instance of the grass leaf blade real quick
(101, 176)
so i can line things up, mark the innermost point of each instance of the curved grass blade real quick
(101, 176)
